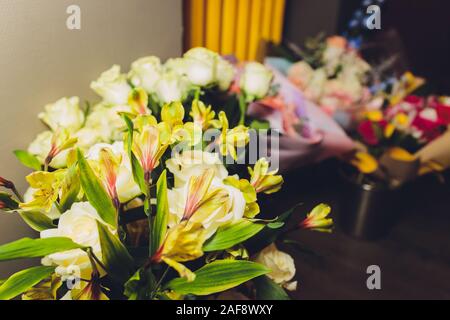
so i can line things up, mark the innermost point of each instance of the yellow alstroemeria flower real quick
(184, 242)
(317, 219)
(47, 186)
(203, 115)
(190, 132)
(229, 140)
(389, 130)
(149, 144)
(249, 192)
(61, 141)
(173, 114)
(201, 201)
(364, 162)
(263, 180)
(138, 101)
(109, 164)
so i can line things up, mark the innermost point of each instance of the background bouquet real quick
(133, 200)
(332, 75)
(403, 135)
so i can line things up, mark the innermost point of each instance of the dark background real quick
(421, 27)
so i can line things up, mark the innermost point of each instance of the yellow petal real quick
(364, 162)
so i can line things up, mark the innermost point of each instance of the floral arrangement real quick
(132, 202)
(332, 74)
(400, 134)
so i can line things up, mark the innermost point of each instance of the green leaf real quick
(28, 160)
(95, 192)
(37, 220)
(269, 234)
(140, 285)
(266, 289)
(70, 188)
(115, 257)
(23, 280)
(218, 276)
(136, 168)
(275, 225)
(8, 201)
(162, 213)
(35, 248)
(231, 235)
(260, 125)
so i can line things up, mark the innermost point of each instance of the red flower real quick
(416, 101)
(367, 131)
(430, 129)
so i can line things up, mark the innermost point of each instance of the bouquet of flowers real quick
(332, 75)
(403, 135)
(135, 198)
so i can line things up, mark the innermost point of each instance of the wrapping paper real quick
(315, 136)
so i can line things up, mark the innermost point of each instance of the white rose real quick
(301, 74)
(87, 137)
(194, 163)
(256, 80)
(281, 264)
(112, 86)
(52, 214)
(127, 189)
(225, 74)
(64, 113)
(145, 72)
(107, 122)
(171, 87)
(201, 66)
(316, 85)
(232, 211)
(175, 65)
(41, 146)
(79, 224)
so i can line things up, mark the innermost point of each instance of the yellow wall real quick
(233, 26)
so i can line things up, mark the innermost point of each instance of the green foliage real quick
(23, 280)
(218, 276)
(95, 192)
(28, 160)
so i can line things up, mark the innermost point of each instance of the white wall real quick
(41, 61)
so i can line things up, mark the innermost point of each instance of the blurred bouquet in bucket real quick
(136, 198)
(403, 136)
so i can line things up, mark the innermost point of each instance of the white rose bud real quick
(145, 72)
(112, 86)
(64, 113)
(79, 224)
(201, 66)
(225, 74)
(171, 87)
(256, 80)
(106, 121)
(281, 264)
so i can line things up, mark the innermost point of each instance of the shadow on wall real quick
(42, 60)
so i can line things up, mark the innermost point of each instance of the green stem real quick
(158, 284)
(197, 93)
(14, 190)
(148, 207)
(243, 108)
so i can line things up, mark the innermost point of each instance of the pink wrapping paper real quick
(316, 138)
